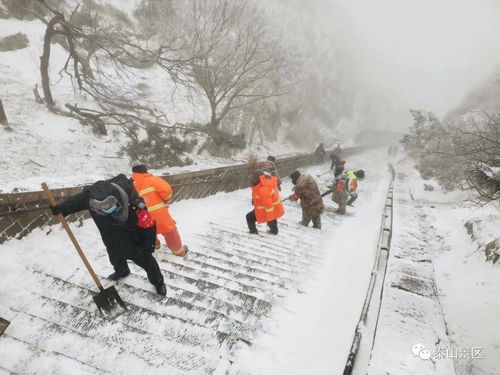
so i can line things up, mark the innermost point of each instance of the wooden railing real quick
(21, 213)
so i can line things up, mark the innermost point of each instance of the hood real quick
(139, 177)
(267, 180)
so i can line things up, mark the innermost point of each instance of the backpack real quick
(351, 184)
(128, 186)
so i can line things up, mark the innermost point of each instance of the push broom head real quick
(254, 163)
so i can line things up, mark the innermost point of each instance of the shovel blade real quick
(109, 303)
(3, 325)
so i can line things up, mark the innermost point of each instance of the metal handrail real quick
(358, 333)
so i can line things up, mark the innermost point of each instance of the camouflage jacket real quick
(310, 198)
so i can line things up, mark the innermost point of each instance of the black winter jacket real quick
(123, 239)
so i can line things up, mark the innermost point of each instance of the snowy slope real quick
(41, 146)
(410, 312)
(439, 292)
(218, 299)
(466, 283)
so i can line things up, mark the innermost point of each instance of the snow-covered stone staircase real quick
(215, 302)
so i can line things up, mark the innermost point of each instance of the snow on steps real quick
(214, 304)
(411, 312)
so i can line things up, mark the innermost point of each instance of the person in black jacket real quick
(337, 164)
(127, 229)
(320, 153)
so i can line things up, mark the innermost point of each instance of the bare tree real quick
(234, 56)
(464, 154)
(478, 144)
(101, 62)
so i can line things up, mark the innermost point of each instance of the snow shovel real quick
(107, 300)
(3, 325)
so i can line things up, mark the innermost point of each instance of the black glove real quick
(56, 210)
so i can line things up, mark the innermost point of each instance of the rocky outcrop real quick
(14, 42)
(492, 251)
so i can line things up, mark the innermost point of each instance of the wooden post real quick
(3, 116)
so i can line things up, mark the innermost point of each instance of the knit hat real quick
(102, 189)
(271, 158)
(139, 169)
(360, 174)
(255, 177)
(295, 176)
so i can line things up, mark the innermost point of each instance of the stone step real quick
(20, 357)
(190, 295)
(253, 252)
(229, 302)
(304, 250)
(172, 264)
(216, 275)
(197, 324)
(239, 268)
(107, 345)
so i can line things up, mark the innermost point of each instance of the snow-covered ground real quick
(440, 291)
(233, 285)
(42, 146)
(468, 286)
(296, 297)
(311, 333)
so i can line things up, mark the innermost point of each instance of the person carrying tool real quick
(157, 192)
(353, 178)
(266, 200)
(337, 164)
(320, 153)
(337, 150)
(306, 189)
(344, 189)
(127, 229)
(269, 166)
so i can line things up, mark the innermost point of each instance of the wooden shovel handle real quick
(52, 201)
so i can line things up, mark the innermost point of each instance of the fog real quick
(425, 54)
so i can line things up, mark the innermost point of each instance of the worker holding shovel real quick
(127, 229)
(311, 201)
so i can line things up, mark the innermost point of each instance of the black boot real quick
(161, 289)
(273, 227)
(351, 200)
(117, 276)
(251, 222)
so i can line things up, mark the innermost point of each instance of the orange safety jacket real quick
(266, 199)
(351, 183)
(156, 192)
(347, 183)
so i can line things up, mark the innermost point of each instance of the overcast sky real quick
(421, 53)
